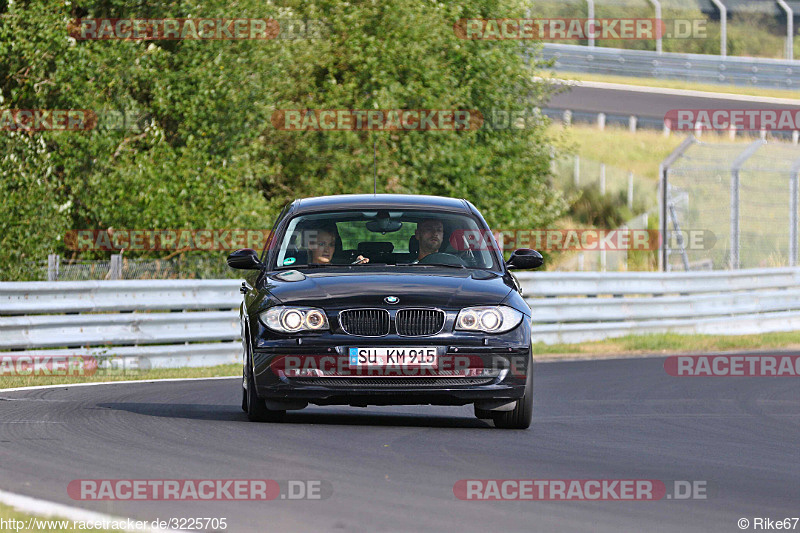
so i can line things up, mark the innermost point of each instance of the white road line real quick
(674, 92)
(68, 385)
(46, 508)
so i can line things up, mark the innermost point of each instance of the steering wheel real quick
(442, 258)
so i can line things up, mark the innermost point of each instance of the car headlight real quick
(294, 319)
(490, 319)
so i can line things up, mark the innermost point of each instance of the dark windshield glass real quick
(393, 237)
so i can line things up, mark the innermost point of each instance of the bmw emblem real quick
(391, 299)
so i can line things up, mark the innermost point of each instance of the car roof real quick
(379, 201)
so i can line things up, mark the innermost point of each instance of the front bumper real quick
(315, 369)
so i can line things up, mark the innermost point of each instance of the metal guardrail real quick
(172, 323)
(758, 72)
(573, 307)
(138, 318)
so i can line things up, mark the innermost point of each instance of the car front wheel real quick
(256, 407)
(520, 417)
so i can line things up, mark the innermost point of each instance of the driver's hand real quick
(360, 260)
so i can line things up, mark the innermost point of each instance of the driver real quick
(430, 234)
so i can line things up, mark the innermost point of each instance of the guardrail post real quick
(53, 262)
(789, 29)
(723, 27)
(567, 117)
(795, 137)
(601, 121)
(115, 272)
(632, 123)
(576, 170)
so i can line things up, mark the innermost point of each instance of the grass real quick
(641, 152)
(678, 84)
(665, 343)
(7, 382)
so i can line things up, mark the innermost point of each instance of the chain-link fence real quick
(742, 195)
(574, 172)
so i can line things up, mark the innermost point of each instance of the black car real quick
(385, 300)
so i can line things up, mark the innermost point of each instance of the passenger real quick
(323, 247)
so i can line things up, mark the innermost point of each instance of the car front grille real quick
(365, 322)
(417, 322)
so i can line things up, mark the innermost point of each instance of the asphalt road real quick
(645, 104)
(393, 469)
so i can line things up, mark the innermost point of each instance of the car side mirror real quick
(525, 259)
(245, 259)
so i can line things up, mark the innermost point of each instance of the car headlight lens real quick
(294, 319)
(490, 319)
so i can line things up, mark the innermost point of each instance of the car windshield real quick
(386, 237)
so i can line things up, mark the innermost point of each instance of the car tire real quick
(244, 389)
(522, 415)
(256, 407)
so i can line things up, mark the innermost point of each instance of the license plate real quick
(406, 356)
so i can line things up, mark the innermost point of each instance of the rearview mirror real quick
(245, 259)
(525, 259)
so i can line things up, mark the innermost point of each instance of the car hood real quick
(449, 289)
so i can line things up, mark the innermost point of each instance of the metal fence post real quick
(793, 217)
(734, 252)
(657, 5)
(723, 27)
(115, 271)
(576, 170)
(737, 165)
(53, 261)
(789, 29)
(663, 198)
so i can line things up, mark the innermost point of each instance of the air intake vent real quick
(365, 322)
(419, 322)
